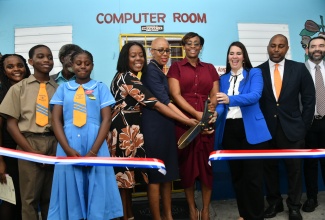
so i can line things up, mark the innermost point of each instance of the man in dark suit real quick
(316, 134)
(286, 82)
(66, 74)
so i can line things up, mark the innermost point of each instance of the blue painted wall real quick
(102, 39)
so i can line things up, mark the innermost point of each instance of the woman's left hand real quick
(213, 118)
(222, 98)
(211, 107)
(207, 131)
(211, 122)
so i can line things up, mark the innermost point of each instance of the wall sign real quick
(152, 28)
(152, 18)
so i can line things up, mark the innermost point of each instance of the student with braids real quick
(13, 68)
(83, 192)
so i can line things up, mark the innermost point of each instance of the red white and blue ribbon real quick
(266, 154)
(86, 161)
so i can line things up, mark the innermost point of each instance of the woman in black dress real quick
(159, 132)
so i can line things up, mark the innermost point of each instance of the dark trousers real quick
(315, 138)
(36, 179)
(293, 168)
(247, 175)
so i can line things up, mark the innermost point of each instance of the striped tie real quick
(320, 91)
(42, 106)
(79, 107)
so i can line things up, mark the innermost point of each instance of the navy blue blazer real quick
(250, 91)
(297, 90)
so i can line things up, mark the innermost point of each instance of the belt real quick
(318, 117)
(45, 134)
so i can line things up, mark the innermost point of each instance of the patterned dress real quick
(126, 138)
(84, 192)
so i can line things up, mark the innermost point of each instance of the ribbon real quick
(266, 154)
(152, 163)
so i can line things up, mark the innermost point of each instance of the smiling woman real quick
(191, 83)
(126, 137)
(13, 68)
(239, 118)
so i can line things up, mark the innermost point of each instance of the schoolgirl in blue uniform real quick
(83, 192)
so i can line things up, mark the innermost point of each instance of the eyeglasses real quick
(162, 51)
(194, 44)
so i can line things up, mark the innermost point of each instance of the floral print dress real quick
(125, 138)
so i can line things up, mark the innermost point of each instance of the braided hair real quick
(4, 80)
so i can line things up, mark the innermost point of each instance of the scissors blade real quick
(190, 134)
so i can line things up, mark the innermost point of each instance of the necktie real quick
(42, 105)
(277, 81)
(320, 91)
(79, 107)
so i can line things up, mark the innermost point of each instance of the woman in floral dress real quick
(125, 138)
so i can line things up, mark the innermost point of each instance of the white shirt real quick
(235, 112)
(272, 68)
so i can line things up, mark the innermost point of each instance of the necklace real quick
(154, 63)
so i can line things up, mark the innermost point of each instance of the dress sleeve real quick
(214, 74)
(58, 97)
(134, 87)
(106, 97)
(174, 71)
(154, 81)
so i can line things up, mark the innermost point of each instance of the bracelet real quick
(92, 153)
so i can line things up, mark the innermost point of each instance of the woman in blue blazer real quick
(242, 126)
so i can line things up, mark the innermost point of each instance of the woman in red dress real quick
(191, 83)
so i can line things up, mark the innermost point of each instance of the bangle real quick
(92, 153)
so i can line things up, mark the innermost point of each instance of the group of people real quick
(271, 106)
(144, 121)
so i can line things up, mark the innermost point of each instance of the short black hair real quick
(314, 38)
(279, 35)
(190, 35)
(32, 50)
(123, 59)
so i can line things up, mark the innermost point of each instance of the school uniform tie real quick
(320, 91)
(277, 81)
(79, 107)
(42, 106)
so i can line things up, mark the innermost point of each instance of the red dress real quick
(195, 85)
